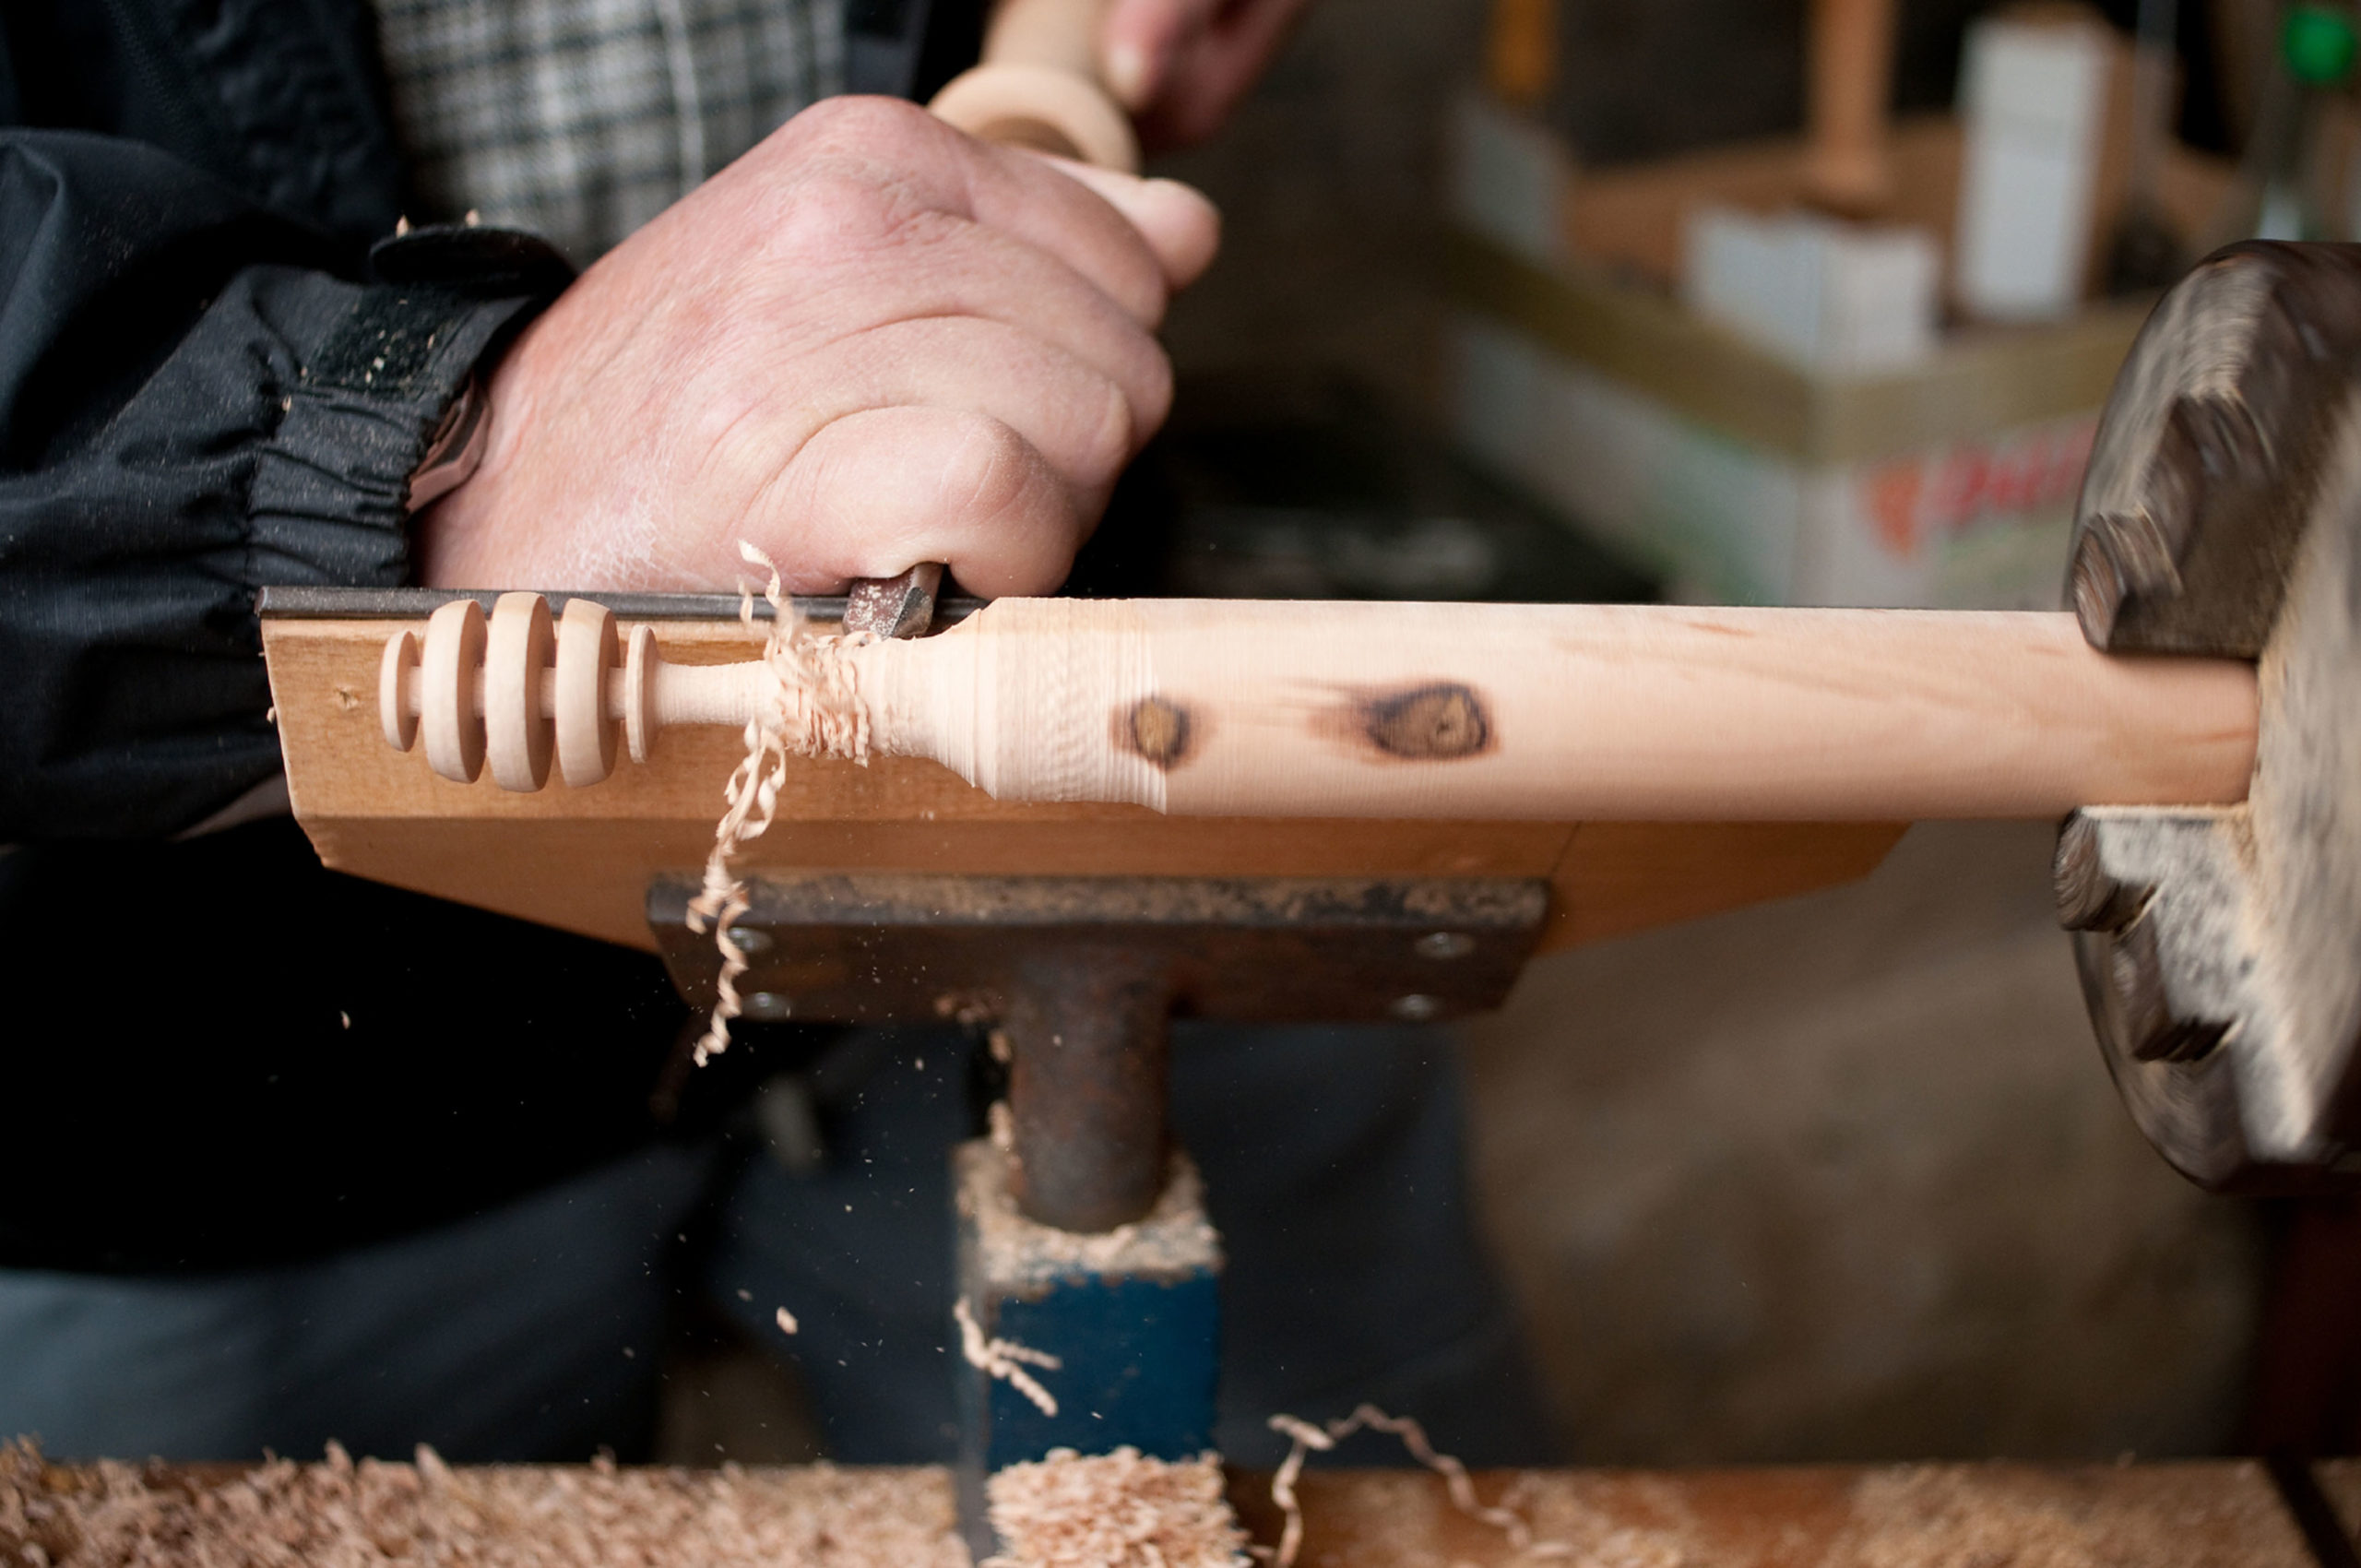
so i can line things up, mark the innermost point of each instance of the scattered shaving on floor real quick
(340, 1515)
(1175, 1237)
(815, 710)
(1005, 1359)
(1113, 1511)
(1304, 1438)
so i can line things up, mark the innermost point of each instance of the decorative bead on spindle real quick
(450, 679)
(638, 698)
(521, 692)
(395, 673)
(520, 736)
(588, 654)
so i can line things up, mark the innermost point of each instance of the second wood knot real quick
(1439, 722)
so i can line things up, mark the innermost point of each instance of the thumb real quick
(1179, 224)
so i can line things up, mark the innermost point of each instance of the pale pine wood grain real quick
(580, 859)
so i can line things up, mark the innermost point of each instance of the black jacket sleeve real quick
(197, 398)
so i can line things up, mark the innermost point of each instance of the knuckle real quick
(847, 215)
(988, 470)
(864, 128)
(862, 175)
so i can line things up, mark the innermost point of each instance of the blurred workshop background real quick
(1556, 299)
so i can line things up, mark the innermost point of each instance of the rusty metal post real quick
(1089, 1031)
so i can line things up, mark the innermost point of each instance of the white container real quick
(1828, 294)
(2033, 98)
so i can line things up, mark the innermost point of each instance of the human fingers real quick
(1083, 423)
(1179, 224)
(963, 271)
(876, 492)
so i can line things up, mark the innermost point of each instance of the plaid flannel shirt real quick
(580, 120)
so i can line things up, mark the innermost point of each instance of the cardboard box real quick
(1742, 475)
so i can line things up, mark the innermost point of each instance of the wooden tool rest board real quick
(582, 860)
(2215, 1514)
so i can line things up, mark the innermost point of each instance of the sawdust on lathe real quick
(342, 1514)
(1174, 1238)
(813, 709)
(1118, 1510)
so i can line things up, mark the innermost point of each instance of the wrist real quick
(454, 451)
(454, 541)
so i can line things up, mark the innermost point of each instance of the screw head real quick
(749, 940)
(766, 1006)
(1445, 945)
(1416, 1009)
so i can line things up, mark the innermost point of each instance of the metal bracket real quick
(1083, 975)
(899, 948)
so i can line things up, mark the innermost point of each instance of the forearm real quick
(198, 400)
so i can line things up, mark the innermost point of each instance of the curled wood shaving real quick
(1005, 1359)
(1305, 1437)
(815, 710)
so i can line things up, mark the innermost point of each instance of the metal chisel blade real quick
(901, 606)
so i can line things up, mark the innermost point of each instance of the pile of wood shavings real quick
(1116, 1510)
(1174, 1238)
(340, 1515)
(815, 710)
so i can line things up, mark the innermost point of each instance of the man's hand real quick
(872, 341)
(1182, 65)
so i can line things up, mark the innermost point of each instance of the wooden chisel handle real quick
(1039, 85)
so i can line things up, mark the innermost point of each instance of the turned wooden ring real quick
(639, 693)
(401, 658)
(448, 666)
(587, 653)
(519, 737)
(1043, 108)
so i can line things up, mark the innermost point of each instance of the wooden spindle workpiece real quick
(1438, 711)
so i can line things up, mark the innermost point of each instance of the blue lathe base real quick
(1134, 1317)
